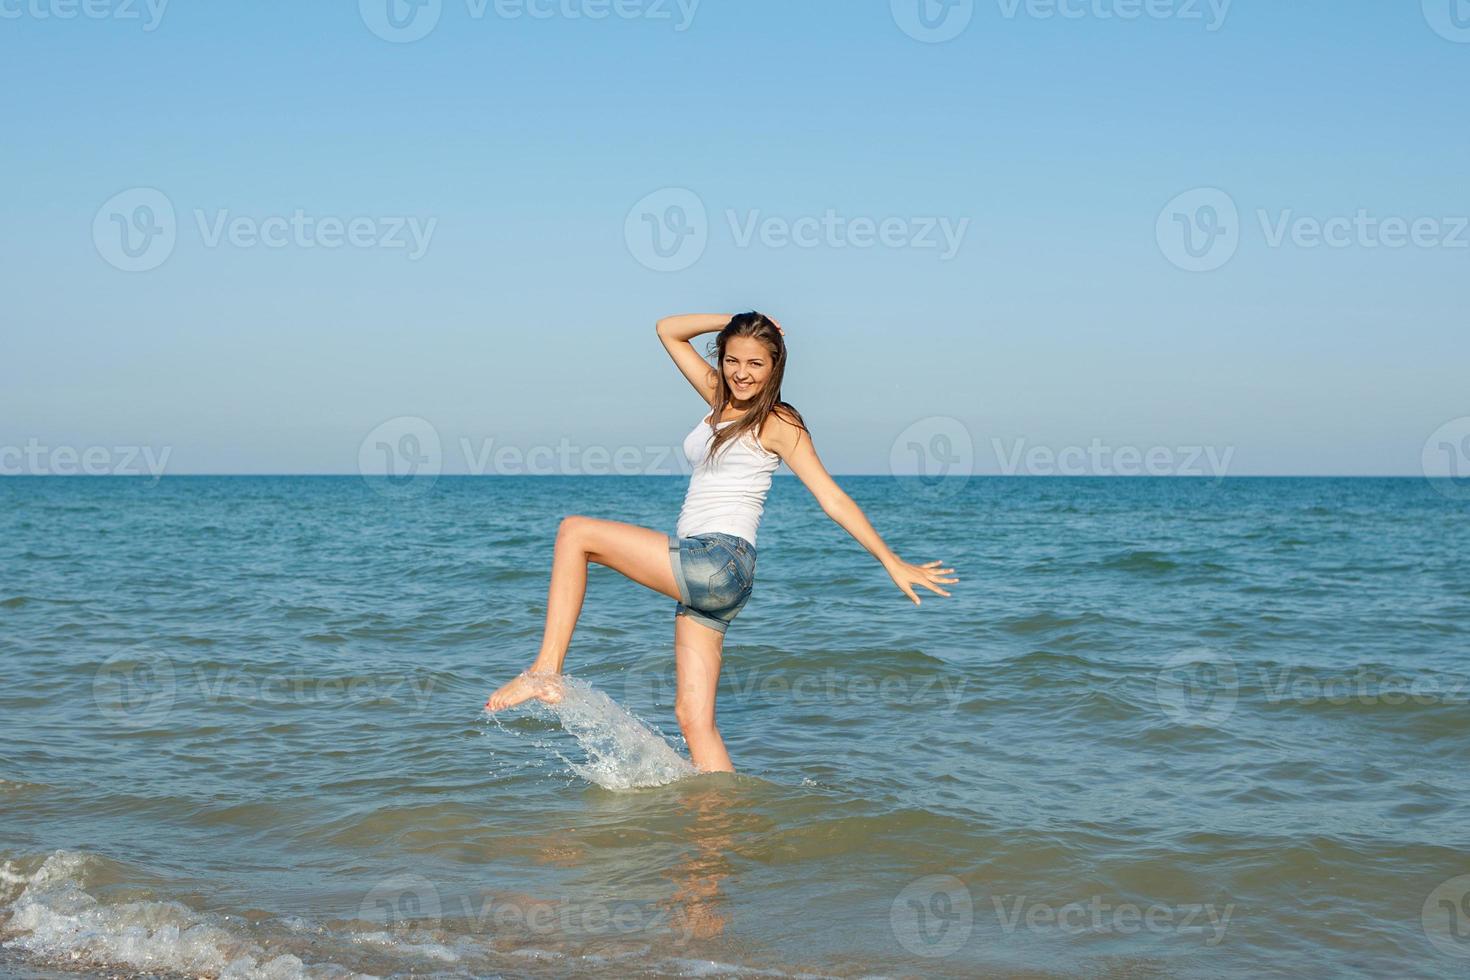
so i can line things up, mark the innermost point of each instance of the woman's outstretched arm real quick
(795, 447)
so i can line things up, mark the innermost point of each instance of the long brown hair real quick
(756, 326)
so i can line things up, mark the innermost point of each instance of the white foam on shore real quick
(54, 921)
(54, 918)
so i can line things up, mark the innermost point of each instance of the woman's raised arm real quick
(676, 331)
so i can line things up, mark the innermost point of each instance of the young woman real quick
(708, 565)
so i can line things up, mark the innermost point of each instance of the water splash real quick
(622, 751)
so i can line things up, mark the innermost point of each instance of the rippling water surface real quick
(1162, 728)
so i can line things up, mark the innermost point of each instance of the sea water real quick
(1188, 728)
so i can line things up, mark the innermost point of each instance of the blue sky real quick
(1055, 149)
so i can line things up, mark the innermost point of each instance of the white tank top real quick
(729, 493)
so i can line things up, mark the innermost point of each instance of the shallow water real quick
(1163, 728)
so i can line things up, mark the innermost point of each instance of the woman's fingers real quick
(933, 573)
(926, 575)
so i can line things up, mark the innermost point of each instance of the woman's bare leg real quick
(697, 654)
(640, 553)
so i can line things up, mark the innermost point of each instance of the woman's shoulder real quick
(782, 429)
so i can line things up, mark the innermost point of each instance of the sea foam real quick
(53, 917)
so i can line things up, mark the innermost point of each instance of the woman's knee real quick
(573, 527)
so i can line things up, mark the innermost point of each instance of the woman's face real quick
(747, 366)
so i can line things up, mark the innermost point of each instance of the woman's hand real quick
(907, 576)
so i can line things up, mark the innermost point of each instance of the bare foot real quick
(527, 684)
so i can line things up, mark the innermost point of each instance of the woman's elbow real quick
(834, 503)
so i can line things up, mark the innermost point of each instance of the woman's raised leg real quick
(698, 650)
(640, 553)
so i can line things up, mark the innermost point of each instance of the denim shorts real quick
(715, 573)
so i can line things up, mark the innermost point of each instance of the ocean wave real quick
(1043, 622)
(53, 917)
(1139, 561)
(77, 911)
